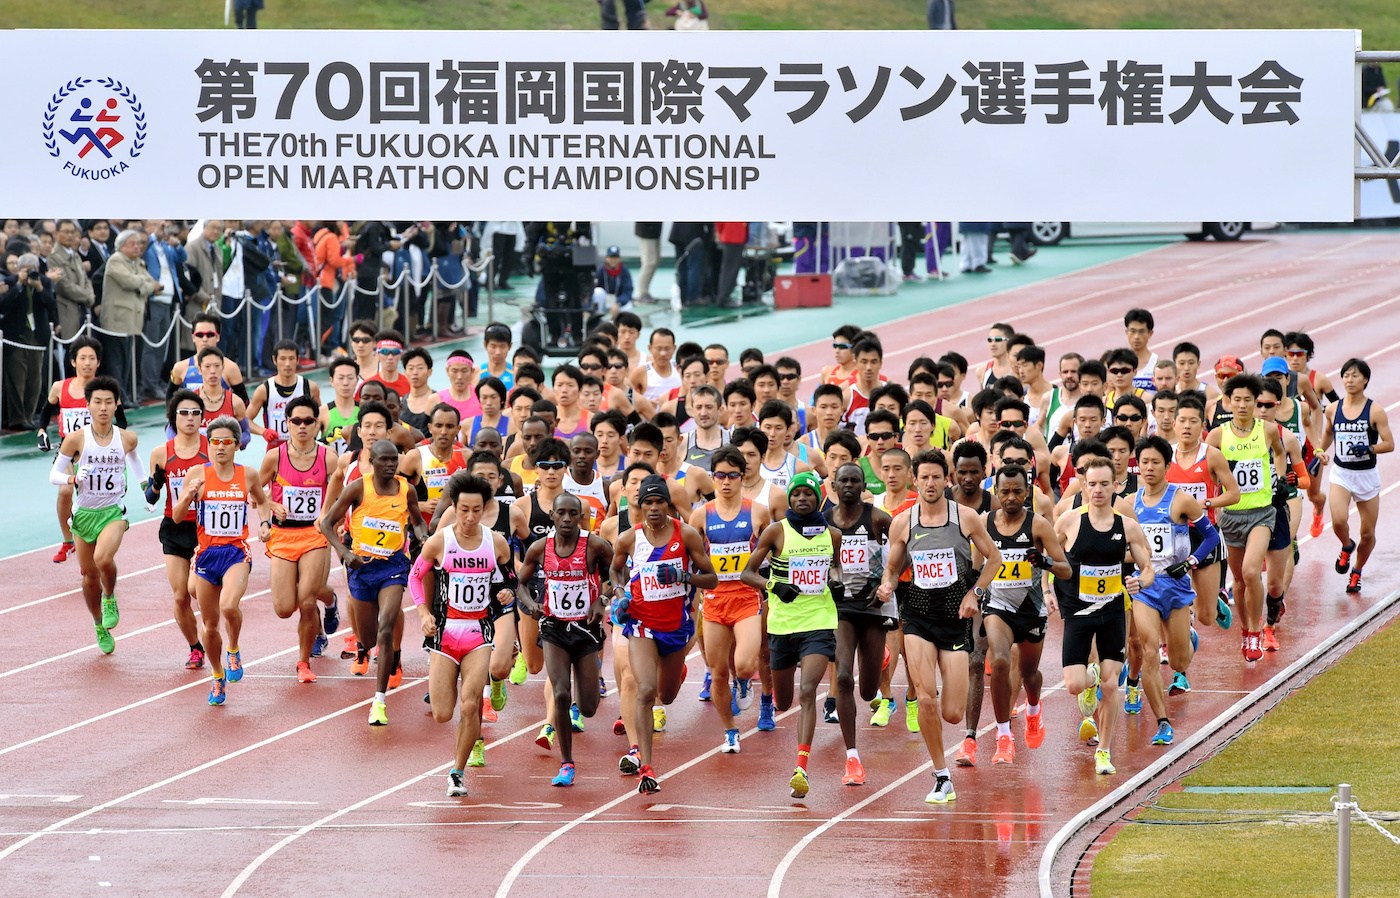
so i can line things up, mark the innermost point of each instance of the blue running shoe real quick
(318, 645)
(576, 724)
(1180, 684)
(765, 714)
(745, 695)
(1224, 616)
(565, 777)
(331, 620)
(1122, 677)
(233, 666)
(216, 691)
(1164, 734)
(1132, 704)
(705, 688)
(1195, 639)
(734, 708)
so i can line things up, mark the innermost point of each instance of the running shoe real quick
(1006, 751)
(1133, 703)
(575, 720)
(1274, 609)
(105, 642)
(318, 645)
(855, 773)
(658, 719)
(498, 695)
(879, 699)
(1162, 653)
(304, 674)
(360, 666)
(1195, 640)
(1089, 731)
(942, 791)
(1103, 764)
(766, 723)
(619, 728)
(1268, 640)
(799, 783)
(730, 746)
(1180, 685)
(734, 709)
(881, 717)
(705, 688)
(477, 758)
(648, 784)
(602, 688)
(378, 714)
(1252, 649)
(519, 672)
(64, 550)
(1035, 729)
(1315, 529)
(1224, 615)
(545, 739)
(351, 647)
(1164, 734)
(396, 678)
(1122, 679)
(233, 666)
(911, 714)
(829, 711)
(1354, 582)
(631, 763)
(565, 776)
(216, 691)
(967, 752)
(112, 615)
(1342, 565)
(745, 695)
(196, 659)
(1089, 698)
(330, 619)
(488, 714)
(456, 787)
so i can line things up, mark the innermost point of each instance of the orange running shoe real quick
(64, 550)
(350, 648)
(360, 666)
(1270, 641)
(304, 674)
(1315, 530)
(488, 713)
(1035, 729)
(967, 753)
(855, 773)
(1006, 751)
(396, 678)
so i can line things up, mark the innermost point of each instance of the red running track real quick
(115, 776)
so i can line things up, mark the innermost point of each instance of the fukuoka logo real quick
(95, 126)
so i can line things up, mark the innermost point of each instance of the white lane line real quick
(74, 592)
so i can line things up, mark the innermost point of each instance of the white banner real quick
(1380, 199)
(1058, 125)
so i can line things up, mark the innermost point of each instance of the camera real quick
(34, 276)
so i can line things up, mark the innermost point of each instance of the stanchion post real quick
(490, 289)
(1344, 840)
(2, 375)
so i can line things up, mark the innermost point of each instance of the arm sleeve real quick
(135, 465)
(417, 576)
(1210, 537)
(1304, 481)
(241, 391)
(120, 417)
(62, 467)
(46, 415)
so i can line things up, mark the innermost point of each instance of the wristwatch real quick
(979, 592)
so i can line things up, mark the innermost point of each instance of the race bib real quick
(568, 599)
(1015, 570)
(1196, 491)
(935, 568)
(468, 592)
(855, 556)
(729, 559)
(303, 503)
(103, 480)
(381, 537)
(1352, 446)
(652, 588)
(1100, 583)
(75, 419)
(1159, 540)
(809, 573)
(224, 518)
(1249, 474)
(436, 479)
(176, 484)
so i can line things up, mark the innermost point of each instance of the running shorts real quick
(374, 575)
(668, 642)
(728, 607)
(870, 619)
(946, 634)
(1281, 536)
(87, 524)
(178, 539)
(213, 563)
(1167, 594)
(1363, 485)
(1235, 526)
(1108, 624)
(787, 651)
(1024, 627)
(578, 638)
(290, 543)
(459, 637)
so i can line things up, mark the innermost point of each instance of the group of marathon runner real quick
(642, 496)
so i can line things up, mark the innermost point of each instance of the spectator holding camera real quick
(28, 313)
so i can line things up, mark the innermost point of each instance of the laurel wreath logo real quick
(138, 142)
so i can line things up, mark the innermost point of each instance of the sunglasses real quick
(996, 339)
(1006, 425)
(617, 366)
(214, 335)
(301, 422)
(590, 367)
(1266, 405)
(188, 412)
(222, 442)
(726, 475)
(1023, 462)
(1296, 353)
(1131, 419)
(841, 347)
(389, 351)
(944, 385)
(882, 435)
(717, 363)
(551, 465)
(361, 339)
(1120, 371)
(789, 375)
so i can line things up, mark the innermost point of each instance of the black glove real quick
(44, 445)
(785, 592)
(157, 478)
(1039, 560)
(838, 590)
(1181, 568)
(1280, 494)
(670, 575)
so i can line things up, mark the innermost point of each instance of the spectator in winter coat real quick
(73, 289)
(732, 236)
(27, 315)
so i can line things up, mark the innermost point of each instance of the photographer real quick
(28, 313)
(560, 249)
